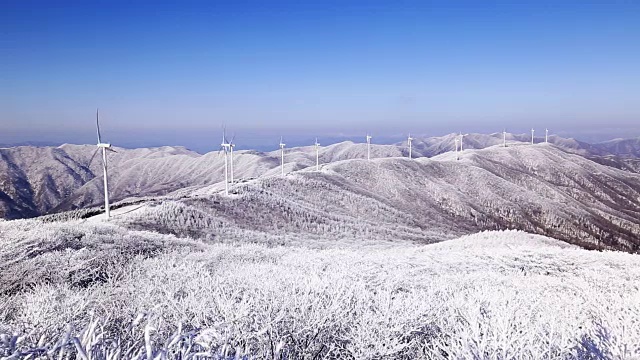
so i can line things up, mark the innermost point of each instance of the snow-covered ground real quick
(103, 290)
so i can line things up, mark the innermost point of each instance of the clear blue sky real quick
(173, 73)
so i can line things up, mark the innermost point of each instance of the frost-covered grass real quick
(494, 295)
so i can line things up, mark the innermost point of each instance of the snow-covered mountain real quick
(431, 146)
(539, 189)
(626, 148)
(38, 180)
(542, 189)
(196, 273)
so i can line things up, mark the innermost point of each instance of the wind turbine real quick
(104, 147)
(231, 146)
(457, 140)
(461, 142)
(225, 146)
(504, 138)
(317, 144)
(282, 145)
(368, 147)
(532, 131)
(546, 136)
(409, 140)
(462, 139)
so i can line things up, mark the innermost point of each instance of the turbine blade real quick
(224, 135)
(98, 125)
(93, 157)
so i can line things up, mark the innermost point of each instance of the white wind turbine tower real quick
(457, 140)
(282, 145)
(532, 131)
(368, 147)
(546, 136)
(461, 142)
(225, 146)
(462, 139)
(231, 146)
(409, 140)
(504, 138)
(104, 147)
(317, 145)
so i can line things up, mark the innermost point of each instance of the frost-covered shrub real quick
(76, 253)
(494, 295)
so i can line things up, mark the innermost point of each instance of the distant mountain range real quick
(623, 148)
(587, 194)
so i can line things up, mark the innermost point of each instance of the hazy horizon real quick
(203, 142)
(173, 74)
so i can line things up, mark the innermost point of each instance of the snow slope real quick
(539, 189)
(493, 295)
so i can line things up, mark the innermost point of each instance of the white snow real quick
(490, 295)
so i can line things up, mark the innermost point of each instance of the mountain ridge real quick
(31, 184)
(422, 200)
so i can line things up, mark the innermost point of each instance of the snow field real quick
(493, 295)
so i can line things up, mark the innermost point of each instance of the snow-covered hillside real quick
(40, 180)
(436, 145)
(90, 287)
(35, 181)
(626, 148)
(540, 189)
